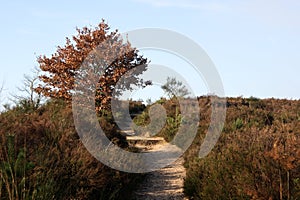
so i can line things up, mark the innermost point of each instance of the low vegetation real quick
(256, 157)
(42, 157)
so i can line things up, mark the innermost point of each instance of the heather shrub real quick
(256, 157)
(57, 165)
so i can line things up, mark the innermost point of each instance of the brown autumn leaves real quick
(97, 54)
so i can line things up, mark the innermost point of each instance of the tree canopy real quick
(175, 88)
(59, 70)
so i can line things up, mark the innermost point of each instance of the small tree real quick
(6, 106)
(174, 88)
(62, 67)
(29, 96)
(1, 90)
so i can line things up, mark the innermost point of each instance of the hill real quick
(256, 157)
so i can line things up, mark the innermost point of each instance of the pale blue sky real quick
(254, 44)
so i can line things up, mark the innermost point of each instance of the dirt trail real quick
(166, 183)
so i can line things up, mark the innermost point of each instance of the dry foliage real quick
(256, 157)
(103, 54)
(62, 168)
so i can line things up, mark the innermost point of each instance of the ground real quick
(166, 183)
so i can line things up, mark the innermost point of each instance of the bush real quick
(172, 123)
(237, 124)
(61, 167)
(256, 157)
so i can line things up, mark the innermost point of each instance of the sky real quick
(254, 44)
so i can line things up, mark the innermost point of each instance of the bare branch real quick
(28, 92)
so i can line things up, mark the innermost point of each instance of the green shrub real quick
(296, 183)
(171, 127)
(14, 168)
(237, 124)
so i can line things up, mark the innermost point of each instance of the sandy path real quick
(166, 183)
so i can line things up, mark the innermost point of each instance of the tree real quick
(28, 95)
(174, 88)
(62, 67)
(1, 90)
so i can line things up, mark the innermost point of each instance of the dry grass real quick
(62, 167)
(256, 157)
